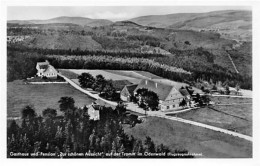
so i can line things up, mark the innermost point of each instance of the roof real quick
(120, 84)
(50, 69)
(162, 90)
(43, 63)
(184, 92)
(103, 103)
(131, 88)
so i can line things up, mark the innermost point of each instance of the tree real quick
(28, 112)
(149, 145)
(109, 91)
(183, 103)
(66, 105)
(86, 80)
(147, 99)
(99, 83)
(49, 113)
(205, 99)
(227, 90)
(152, 100)
(13, 129)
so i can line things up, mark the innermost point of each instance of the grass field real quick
(74, 73)
(229, 100)
(177, 135)
(69, 74)
(234, 117)
(40, 96)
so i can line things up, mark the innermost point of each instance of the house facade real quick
(44, 69)
(93, 112)
(127, 92)
(169, 96)
(95, 108)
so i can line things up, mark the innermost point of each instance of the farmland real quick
(232, 117)
(178, 135)
(40, 96)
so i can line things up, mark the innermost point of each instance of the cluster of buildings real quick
(15, 39)
(169, 96)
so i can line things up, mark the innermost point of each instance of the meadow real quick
(232, 117)
(177, 135)
(40, 97)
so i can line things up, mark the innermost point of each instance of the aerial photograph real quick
(129, 82)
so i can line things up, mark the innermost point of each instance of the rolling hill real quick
(73, 20)
(232, 24)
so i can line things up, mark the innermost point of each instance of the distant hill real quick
(72, 20)
(235, 24)
(126, 23)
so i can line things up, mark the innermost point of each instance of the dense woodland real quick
(22, 61)
(75, 132)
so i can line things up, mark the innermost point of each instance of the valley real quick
(179, 83)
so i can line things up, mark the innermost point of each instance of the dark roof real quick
(184, 92)
(162, 90)
(120, 84)
(43, 65)
(131, 88)
(103, 103)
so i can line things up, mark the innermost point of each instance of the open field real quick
(229, 100)
(177, 135)
(127, 73)
(40, 96)
(233, 117)
(69, 74)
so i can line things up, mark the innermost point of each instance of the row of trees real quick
(75, 132)
(99, 84)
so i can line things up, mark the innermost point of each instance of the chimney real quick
(156, 84)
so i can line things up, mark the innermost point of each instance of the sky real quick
(113, 13)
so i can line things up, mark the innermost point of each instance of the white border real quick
(256, 79)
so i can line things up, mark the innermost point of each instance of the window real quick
(173, 106)
(167, 107)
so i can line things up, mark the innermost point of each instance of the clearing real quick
(177, 135)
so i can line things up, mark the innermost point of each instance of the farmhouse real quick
(93, 111)
(44, 69)
(95, 108)
(127, 92)
(169, 96)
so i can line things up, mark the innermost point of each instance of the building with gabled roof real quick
(95, 108)
(44, 69)
(169, 96)
(127, 92)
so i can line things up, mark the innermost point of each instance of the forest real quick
(21, 63)
(75, 132)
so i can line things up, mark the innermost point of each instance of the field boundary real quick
(48, 82)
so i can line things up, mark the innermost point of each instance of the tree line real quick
(159, 65)
(74, 131)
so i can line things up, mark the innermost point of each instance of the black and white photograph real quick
(129, 82)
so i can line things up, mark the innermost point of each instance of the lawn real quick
(177, 135)
(40, 96)
(234, 117)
